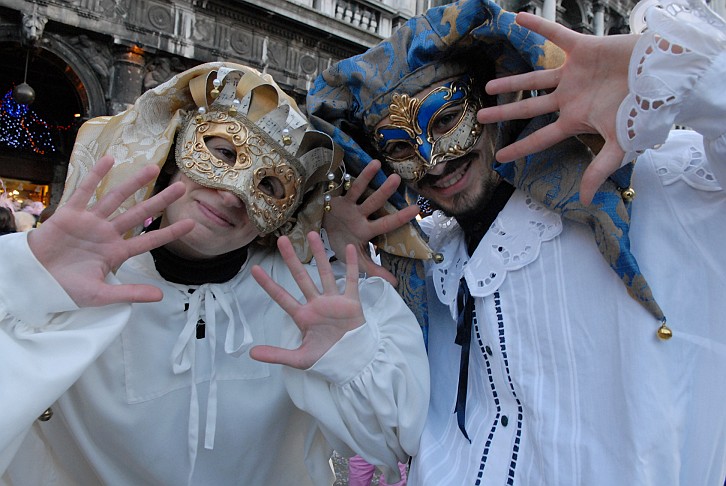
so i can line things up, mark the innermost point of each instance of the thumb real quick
(375, 270)
(605, 163)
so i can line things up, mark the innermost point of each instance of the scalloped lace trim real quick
(651, 92)
(512, 242)
(688, 165)
(680, 40)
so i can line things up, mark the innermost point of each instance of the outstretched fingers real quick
(131, 293)
(154, 239)
(110, 202)
(608, 160)
(360, 184)
(351, 272)
(80, 197)
(138, 213)
(378, 198)
(560, 35)
(391, 222)
(535, 142)
(325, 270)
(533, 80)
(518, 110)
(276, 292)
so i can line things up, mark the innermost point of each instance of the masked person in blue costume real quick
(573, 303)
(197, 352)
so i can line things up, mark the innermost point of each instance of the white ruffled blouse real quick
(138, 398)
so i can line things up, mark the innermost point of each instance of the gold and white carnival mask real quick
(270, 137)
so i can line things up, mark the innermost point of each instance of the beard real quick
(465, 205)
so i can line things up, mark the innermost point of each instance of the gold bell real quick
(201, 111)
(628, 194)
(346, 184)
(45, 416)
(664, 333)
(286, 140)
(438, 258)
(327, 202)
(215, 90)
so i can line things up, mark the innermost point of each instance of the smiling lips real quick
(454, 171)
(452, 178)
(214, 214)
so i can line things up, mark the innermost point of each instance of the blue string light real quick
(22, 128)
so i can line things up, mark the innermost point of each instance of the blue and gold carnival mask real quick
(424, 132)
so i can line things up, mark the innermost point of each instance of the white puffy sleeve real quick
(369, 393)
(46, 341)
(676, 77)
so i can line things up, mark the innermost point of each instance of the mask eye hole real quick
(398, 149)
(222, 149)
(272, 187)
(445, 121)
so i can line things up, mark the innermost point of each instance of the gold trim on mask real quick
(403, 114)
(424, 149)
(257, 154)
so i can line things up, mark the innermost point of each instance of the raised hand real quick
(587, 91)
(324, 317)
(351, 222)
(79, 246)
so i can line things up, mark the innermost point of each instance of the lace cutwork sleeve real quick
(676, 74)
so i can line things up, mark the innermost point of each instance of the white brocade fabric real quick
(139, 399)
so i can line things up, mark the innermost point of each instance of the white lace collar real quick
(512, 242)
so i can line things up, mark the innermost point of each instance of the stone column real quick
(549, 10)
(127, 77)
(598, 20)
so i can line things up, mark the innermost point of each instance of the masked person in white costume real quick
(196, 352)
(575, 306)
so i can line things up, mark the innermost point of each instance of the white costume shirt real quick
(150, 403)
(568, 383)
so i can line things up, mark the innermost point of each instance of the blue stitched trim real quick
(520, 412)
(497, 418)
(490, 437)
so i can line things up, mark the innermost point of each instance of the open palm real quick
(80, 245)
(586, 90)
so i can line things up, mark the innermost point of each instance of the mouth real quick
(215, 215)
(454, 171)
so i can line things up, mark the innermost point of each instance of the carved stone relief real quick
(161, 18)
(97, 55)
(203, 30)
(161, 69)
(276, 54)
(308, 64)
(32, 26)
(241, 42)
(114, 9)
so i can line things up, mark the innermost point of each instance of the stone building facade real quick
(87, 58)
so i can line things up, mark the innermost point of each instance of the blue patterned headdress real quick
(351, 97)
